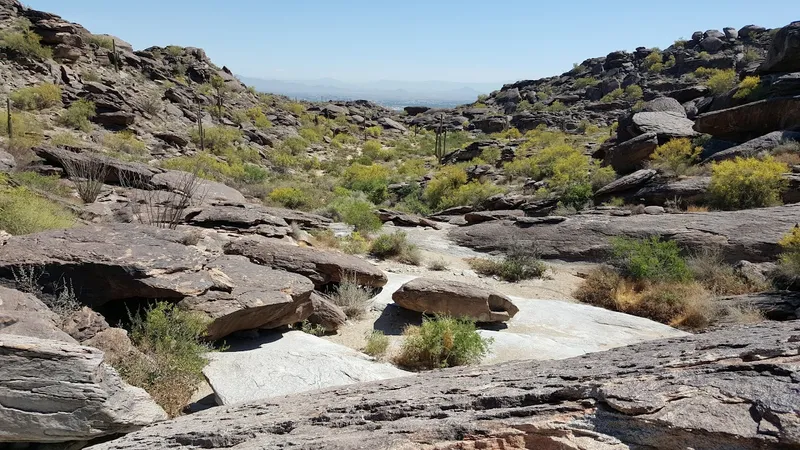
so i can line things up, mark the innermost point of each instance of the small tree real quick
(220, 89)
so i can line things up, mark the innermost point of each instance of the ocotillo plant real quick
(441, 139)
(8, 118)
(200, 130)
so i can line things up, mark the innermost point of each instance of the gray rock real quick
(509, 96)
(714, 33)
(486, 216)
(84, 324)
(455, 299)
(664, 104)
(750, 31)
(206, 191)
(772, 305)
(730, 33)
(286, 364)
(672, 124)
(752, 273)
(325, 313)
(322, 267)
(405, 220)
(749, 234)
(25, 315)
(490, 124)
(751, 120)
(392, 124)
(626, 183)
(55, 391)
(630, 155)
(784, 51)
(689, 191)
(654, 210)
(715, 390)
(697, 36)
(758, 147)
(232, 216)
(7, 162)
(712, 44)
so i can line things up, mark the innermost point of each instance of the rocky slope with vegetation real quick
(154, 208)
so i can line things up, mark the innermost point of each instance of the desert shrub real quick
(443, 183)
(748, 88)
(377, 344)
(124, 142)
(442, 342)
(470, 194)
(612, 96)
(65, 140)
(557, 107)
(710, 270)
(438, 265)
(492, 154)
(576, 195)
(374, 132)
(790, 256)
(372, 149)
(650, 259)
(684, 304)
(310, 134)
(258, 118)
(744, 183)
(654, 62)
(78, 114)
(721, 81)
(750, 54)
(216, 139)
(27, 133)
(294, 145)
(105, 42)
(372, 180)
(290, 197)
(295, 108)
(172, 359)
(395, 246)
(89, 175)
(39, 97)
(680, 43)
(675, 156)
(342, 139)
(511, 133)
(634, 92)
(705, 56)
(601, 176)
(599, 288)
(514, 267)
(585, 82)
(21, 40)
(357, 211)
(23, 212)
(352, 298)
(204, 164)
(524, 105)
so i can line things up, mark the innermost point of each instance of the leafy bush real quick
(375, 131)
(294, 145)
(613, 96)
(351, 297)
(373, 150)
(634, 92)
(258, 118)
(557, 107)
(745, 183)
(748, 88)
(514, 267)
(290, 197)
(216, 139)
(377, 344)
(295, 108)
(585, 82)
(675, 156)
(790, 258)
(78, 114)
(372, 180)
(356, 211)
(442, 342)
(654, 62)
(601, 176)
(470, 194)
(397, 247)
(45, 95)
(171, 361)
(443, 183)
(124, 142)
(310, 134)
(45, 183)
(576, 195)
(721, 81)
(650, 259)
(23, 212)
(105, 42)
(21, 40)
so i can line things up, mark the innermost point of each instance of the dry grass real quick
(377, 344)
(719, 278)
(351, 297)
(438, 265)
(747, 314)
(697, 209)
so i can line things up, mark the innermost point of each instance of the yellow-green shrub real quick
(205, 165)
(443, 183)
(101, 41)
(20, 39)
(23, 212)
(585, 82)
(470, 194)
(45, 95)
(124, 142)
(372, 180)
(216, 139)
(748, 87)
(633, 92)
(654, 62)
(310, 134)
(614, 95)
(374, 131)
(26, 129)
(357, 211)
(675, 156)
(259, 119)
(78, 114)
(722, 81)
(790, 258)
(747, 183)
(290, 197)
(442, 342)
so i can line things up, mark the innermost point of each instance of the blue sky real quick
(411, 40)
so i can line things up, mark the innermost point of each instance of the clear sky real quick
(411, 40)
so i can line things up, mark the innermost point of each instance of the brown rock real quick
(326, 314)
(455, 299)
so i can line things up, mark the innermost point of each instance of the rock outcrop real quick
(750, 235)
(732, 389)
(455, 299)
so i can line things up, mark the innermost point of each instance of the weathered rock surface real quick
(627, 182)
(488, 216)
(734, 389)
(25, 315)
(751, 120)
(784, 52)
(325, 313)
(750, 234)
(289, 363)
(772, 305)
(760, 146)
(115, 263)
(405, 220)
(630, 155)
(322, 267)
(56, 391)
(455, 299)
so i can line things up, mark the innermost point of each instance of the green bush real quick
(556, 107)
(443, 183)
(377, 344)
(633, 92)
(613, 96)
(206, 166)
(290, 197)
(470, 194)
(375, 131)
(650, 259)
(372, 180)
(576, 195)
(310, 134)
(585, 82)
(258, 118)
(750, 87)
(294, 145)
(395, 246)
(721, 81)
(675, 156)
(27, 132)
(352, 298)
(124, 142)
(105, 42)
(356, 211)
(654, 62)
(751, 54)
(373, 150)
(745, 183)
(516, 266)
(601, 176)
(23, 212)
(171, 361)
(45, 183)
(442, 342)
(216, 139)
(21, 40)
(78, 114)
(40, 97)
(790, 257)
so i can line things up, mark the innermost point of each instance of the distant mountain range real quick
(393, 94)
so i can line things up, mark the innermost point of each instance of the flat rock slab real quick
(751, 120)
(750, 235)
(717, 390)
(321, 266)
(288, 363)
(25, 315)
(55, 391)
(455, 299)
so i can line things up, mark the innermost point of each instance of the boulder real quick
(405, 220)
(241, 217)
(664, 104)
(303, 219)
(631, 155)
(772, 305)
(55, 391)
(750, 234)
(134, 173)
(665, 123)
(712, 44)
(486, 216)
(758, 147)
(750, 31)
(730, 33)
(751, 120)
(739, 383)
(626, 183)
(488, 125)
(84, 324)
(415, 110)
(455, 299)
(205, 191)
(688, 191)
(322, 267)
(25, 315)
(392, 124)
(325, 313)
(7, 162)
(290, 363)
(108, 265)
(784, 51)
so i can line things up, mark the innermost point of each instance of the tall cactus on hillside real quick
(441, 139)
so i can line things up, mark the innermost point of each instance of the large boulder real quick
(25, 315)
(735, 388)
(7, 161)
(760, 146)
(631, 155)
(54, 391)
(322, 267)
(109, 265)
(664, 123)
(626, 183)
(285, 364)
(455, 299)
(751, 120)
(325, 313)
(750, 234)
(205, 191)
(784, 51)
